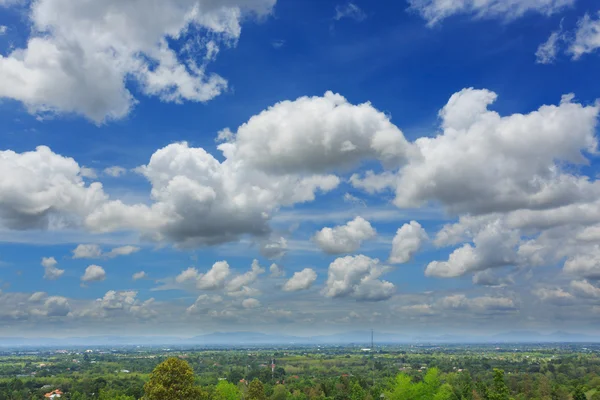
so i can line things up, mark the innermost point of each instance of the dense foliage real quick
(559, 372)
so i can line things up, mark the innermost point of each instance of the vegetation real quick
(511, 372)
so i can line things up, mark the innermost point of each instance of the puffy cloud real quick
(115, 303)
(189, 185)
(317, 134)
(585, 289)
(87, 251)
(349, 10)
(94, 273)
(51, 272)
(250, 303)
(139, 275)
(494, 246)
(584, 265)
(274, 249)
(555, 296)
(211, 280)
(346, 238)
(302, 280)
(80, 55)
(114, 300)
(357, 277)
(56, 306)
(41, 190)
(115, 171)
(276, 271)
(407, 242)
(483, 162)
(240, 281)
(587, 36)
(434, 11)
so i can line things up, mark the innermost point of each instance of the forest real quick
(461, 372)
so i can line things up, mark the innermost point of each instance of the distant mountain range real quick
(362, 338)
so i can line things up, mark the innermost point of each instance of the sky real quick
(182, 167)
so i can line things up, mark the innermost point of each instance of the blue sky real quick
(480, 211)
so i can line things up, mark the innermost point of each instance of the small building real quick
(55, 394)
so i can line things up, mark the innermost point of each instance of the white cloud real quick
(349, 10)
(56, 306)
(237, 283)
(250, 303)
(51, 272)
(483, 162)
(346, 238)
(190, 185)
(584, 265)
(3, 29)
(88, 173)
(274, 249)
(211, 280)
(276, 271)
(357, 277)
(115, 171)
(94, 273)
(94, 251)
(317, 134)
(418, 309)
(585, 289)
(547, 51)
(587, 37)
(44, 191)
(139, 275)
(80, 55)
(494, 246)
(87, 251)
(483, 304)
(434, 11)
(555, 296)
(37, 297)
(407, 242)
(302, 280)
(122, 251)
(204, 302)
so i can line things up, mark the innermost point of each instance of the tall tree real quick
(256, 390)
(499, 390)
(226, 391)
(579, 394)
(173, 379)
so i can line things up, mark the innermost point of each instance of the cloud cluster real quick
(80, 55)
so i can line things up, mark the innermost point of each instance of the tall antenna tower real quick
(372, 359)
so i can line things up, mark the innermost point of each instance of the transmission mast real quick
(372, 359)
